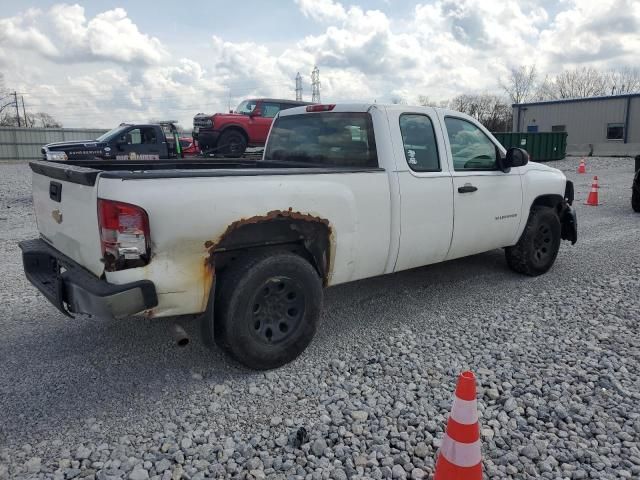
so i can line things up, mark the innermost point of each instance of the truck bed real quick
(85, 172)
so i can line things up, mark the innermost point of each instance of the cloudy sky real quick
(98, 63)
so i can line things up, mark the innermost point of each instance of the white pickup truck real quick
(343, 192)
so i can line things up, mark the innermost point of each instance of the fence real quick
(25, 143)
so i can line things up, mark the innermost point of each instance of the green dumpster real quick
(542, 146)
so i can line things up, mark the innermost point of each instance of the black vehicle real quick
(153, 141)
(635, 189)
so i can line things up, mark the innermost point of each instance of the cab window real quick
(420, 148)
(471, 149)
(270, 110)
(140, 136)
(324, 139)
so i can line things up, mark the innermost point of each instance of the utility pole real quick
(315, 85)
(298, 87)
(15, 101)
(26, 124)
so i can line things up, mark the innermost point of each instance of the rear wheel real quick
(232, 143)
(267, 309)
(537, 249)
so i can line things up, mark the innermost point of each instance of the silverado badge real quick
(57, 215)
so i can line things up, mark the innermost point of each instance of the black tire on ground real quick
(635, 198)
(232, 143)
(267, 309)
(538, 246)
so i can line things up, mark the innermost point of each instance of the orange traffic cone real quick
(459, 457)
(582, 168)
(592, 199)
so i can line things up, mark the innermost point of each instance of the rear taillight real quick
(321, 108)
(124, 235)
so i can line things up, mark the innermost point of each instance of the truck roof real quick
(365, 107)
(281, 100)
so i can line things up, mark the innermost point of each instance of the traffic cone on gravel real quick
(582, 168)
(459, 457)
(592, 199)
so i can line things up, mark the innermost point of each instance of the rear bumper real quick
(72, 289)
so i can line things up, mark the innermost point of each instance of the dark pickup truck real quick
(153, 141)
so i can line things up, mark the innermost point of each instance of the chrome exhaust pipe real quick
(181, 337)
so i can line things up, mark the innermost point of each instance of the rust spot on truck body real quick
(218, 246)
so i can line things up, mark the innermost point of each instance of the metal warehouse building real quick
(597, 125)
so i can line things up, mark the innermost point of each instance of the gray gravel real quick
(556, 357)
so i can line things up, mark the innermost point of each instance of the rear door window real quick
(419, 139)
(269, 109)
(324, 139)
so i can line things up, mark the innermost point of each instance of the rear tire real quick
(267, 309)
(232, 143)
(537, 249)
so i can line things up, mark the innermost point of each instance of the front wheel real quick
(537, 249)
(268, 309)
(232, 143)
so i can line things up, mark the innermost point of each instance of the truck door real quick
(426, 210)
(139, 143)
(263, 122)
(487, 201)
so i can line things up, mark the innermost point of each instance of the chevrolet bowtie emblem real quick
(57, 216)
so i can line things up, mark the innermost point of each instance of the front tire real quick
(232, 143)
(537, 249)
(267, 309)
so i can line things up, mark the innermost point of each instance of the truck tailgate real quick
(65, 203)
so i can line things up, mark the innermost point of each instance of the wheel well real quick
(304, 235)
(237, 129)
(551, 201)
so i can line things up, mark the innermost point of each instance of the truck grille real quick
(202, 121)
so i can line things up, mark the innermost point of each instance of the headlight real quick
(57, 156)
(209, 123)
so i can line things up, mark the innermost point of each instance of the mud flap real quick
(569, 222)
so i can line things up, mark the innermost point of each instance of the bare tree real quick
(491, 110)
(581, 83)
(39, 119)
(424, 101)
(626, 80)
(520, 84)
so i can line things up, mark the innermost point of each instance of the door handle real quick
(468, 188)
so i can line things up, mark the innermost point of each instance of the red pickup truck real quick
(248, 126)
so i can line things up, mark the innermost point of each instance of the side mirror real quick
(256, 112)
(516, 157)
(230, 111)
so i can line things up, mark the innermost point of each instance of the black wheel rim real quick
(234, 144)
(542, 244)
(276, 310)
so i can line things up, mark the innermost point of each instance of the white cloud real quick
(106, 68)
(322, 10)
(63, 34)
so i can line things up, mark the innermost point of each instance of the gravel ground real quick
(556, 357)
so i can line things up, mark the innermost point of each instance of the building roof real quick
(574, 100)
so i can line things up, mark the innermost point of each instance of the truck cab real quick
(246, 126)
(127, 141)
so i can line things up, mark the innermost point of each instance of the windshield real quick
(105, 137)
(246, 107)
